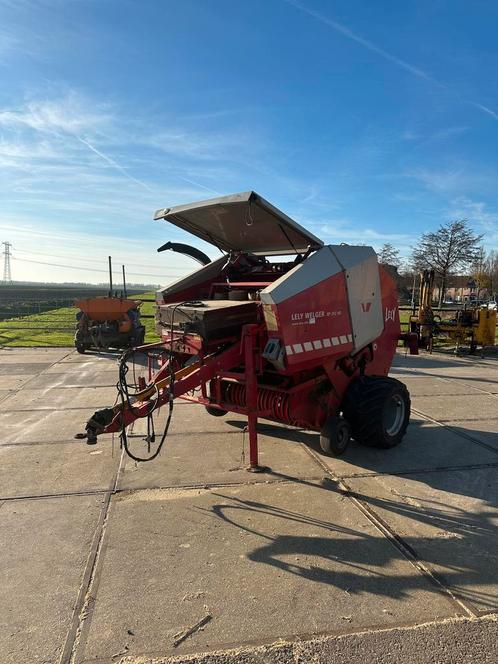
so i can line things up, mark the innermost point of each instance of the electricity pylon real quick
(7, 275)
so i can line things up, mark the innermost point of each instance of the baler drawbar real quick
(306, 342)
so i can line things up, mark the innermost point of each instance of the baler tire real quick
(216, 412)
(378, 410)
(335, 435)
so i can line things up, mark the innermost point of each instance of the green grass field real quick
(56, 327)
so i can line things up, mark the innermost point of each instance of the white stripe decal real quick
(319, 344)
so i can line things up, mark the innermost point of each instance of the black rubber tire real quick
(81, 348)
(216, 412)
(378, 410)
(141, 337)
(335, 435)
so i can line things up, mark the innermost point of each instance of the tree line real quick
(453, 249)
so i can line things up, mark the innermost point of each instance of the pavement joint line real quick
(59, 409)
(79, 441)
(259, 650)
(21, 387)
(65, 494)
(472, 419)
(70, 387)
(84, 601)
(223, 485)
(457, 394)
(421, 471)
(6, 396)
(484, 613)
(36, 443)
(170, 487)
(466, 436)
(394, 538)
(449, 379)
(44, 409)
(469, 359)
(463, 382)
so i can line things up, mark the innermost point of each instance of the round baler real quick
(280, 327)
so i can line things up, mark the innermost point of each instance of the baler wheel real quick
(335, 435)
(216, 412)
(378, 409)
(82, 348)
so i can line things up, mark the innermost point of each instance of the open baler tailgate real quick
(242, 222)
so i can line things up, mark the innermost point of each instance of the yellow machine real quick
(473, 327)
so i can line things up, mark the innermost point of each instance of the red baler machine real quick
(280, 327)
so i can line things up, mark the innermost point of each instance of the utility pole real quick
(124, 282)
(7, 275)
(110, 277)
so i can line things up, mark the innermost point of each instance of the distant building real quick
(462, 289)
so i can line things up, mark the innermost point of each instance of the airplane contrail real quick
(113, 163)
(403, 64)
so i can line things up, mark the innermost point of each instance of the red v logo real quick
(366, 306)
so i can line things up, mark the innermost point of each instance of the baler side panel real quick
(315, 323)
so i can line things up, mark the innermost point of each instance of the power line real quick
(91, 260)
(7, 274)
(88, 269)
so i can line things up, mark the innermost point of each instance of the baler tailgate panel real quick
(241, 222)
(363, 290)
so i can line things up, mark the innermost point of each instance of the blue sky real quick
(366, 121)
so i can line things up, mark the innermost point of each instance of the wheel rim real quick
(394, 415)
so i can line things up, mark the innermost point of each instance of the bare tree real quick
(389, 255)
(491, 270)
(479, 271)
(454, 246)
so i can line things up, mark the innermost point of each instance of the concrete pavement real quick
(379, 555)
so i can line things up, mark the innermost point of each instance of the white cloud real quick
(343, 230)
(426, 136)
(71, 114)
(77, 177)
(8, 44)
(477, 212)
(457, 180)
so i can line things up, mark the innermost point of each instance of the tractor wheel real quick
(216, 412)
(378, 409)
(141, 337)
(335, 435)
(81, 348)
